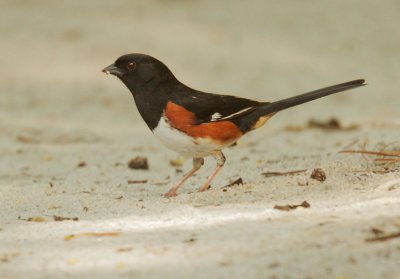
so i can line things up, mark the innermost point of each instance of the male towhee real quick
(194, 123)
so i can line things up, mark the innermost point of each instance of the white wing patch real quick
(236, 113)
(216, 116)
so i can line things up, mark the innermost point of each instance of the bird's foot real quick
(204, 188)
(171, 193)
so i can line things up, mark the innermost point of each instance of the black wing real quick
(209, 107)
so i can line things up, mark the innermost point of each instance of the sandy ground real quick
(67, 132)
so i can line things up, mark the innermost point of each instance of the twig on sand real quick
(137, 181)
(378, 153)
(388, 160)
(373, 171)
(383, 237)
(270, 174)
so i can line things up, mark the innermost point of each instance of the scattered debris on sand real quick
(124, 249)
(60, 218)
(81, 164)
(238, 181)
(318, 174)
(137, 181)
(289, 207)
(332, 124)
(37, 219)
(138, 163)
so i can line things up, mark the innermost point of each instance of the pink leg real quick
(220, 163)
(197, 163)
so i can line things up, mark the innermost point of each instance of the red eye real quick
(131, 66)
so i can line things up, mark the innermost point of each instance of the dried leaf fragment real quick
(331, 124)
(124, 249)
(178, 162)
(5, 258)
(318, 174)
(289, 207)
(95, 234)
(60, 218)
(26, 139)
(238, 181)
(36, 219)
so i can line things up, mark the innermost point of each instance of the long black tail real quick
(307, 97)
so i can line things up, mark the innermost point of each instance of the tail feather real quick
(307, 97)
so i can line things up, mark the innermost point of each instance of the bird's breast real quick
(186, 144)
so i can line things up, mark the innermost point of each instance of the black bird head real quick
(136, 70)
(149, 81)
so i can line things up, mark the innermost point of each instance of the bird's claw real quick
(170, 194)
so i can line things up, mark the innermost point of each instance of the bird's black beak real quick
(113, 70)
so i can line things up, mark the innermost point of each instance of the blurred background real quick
(52, 53)
(68, 131)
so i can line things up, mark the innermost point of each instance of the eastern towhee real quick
(194, 123)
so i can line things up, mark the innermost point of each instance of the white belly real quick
(184, 144)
